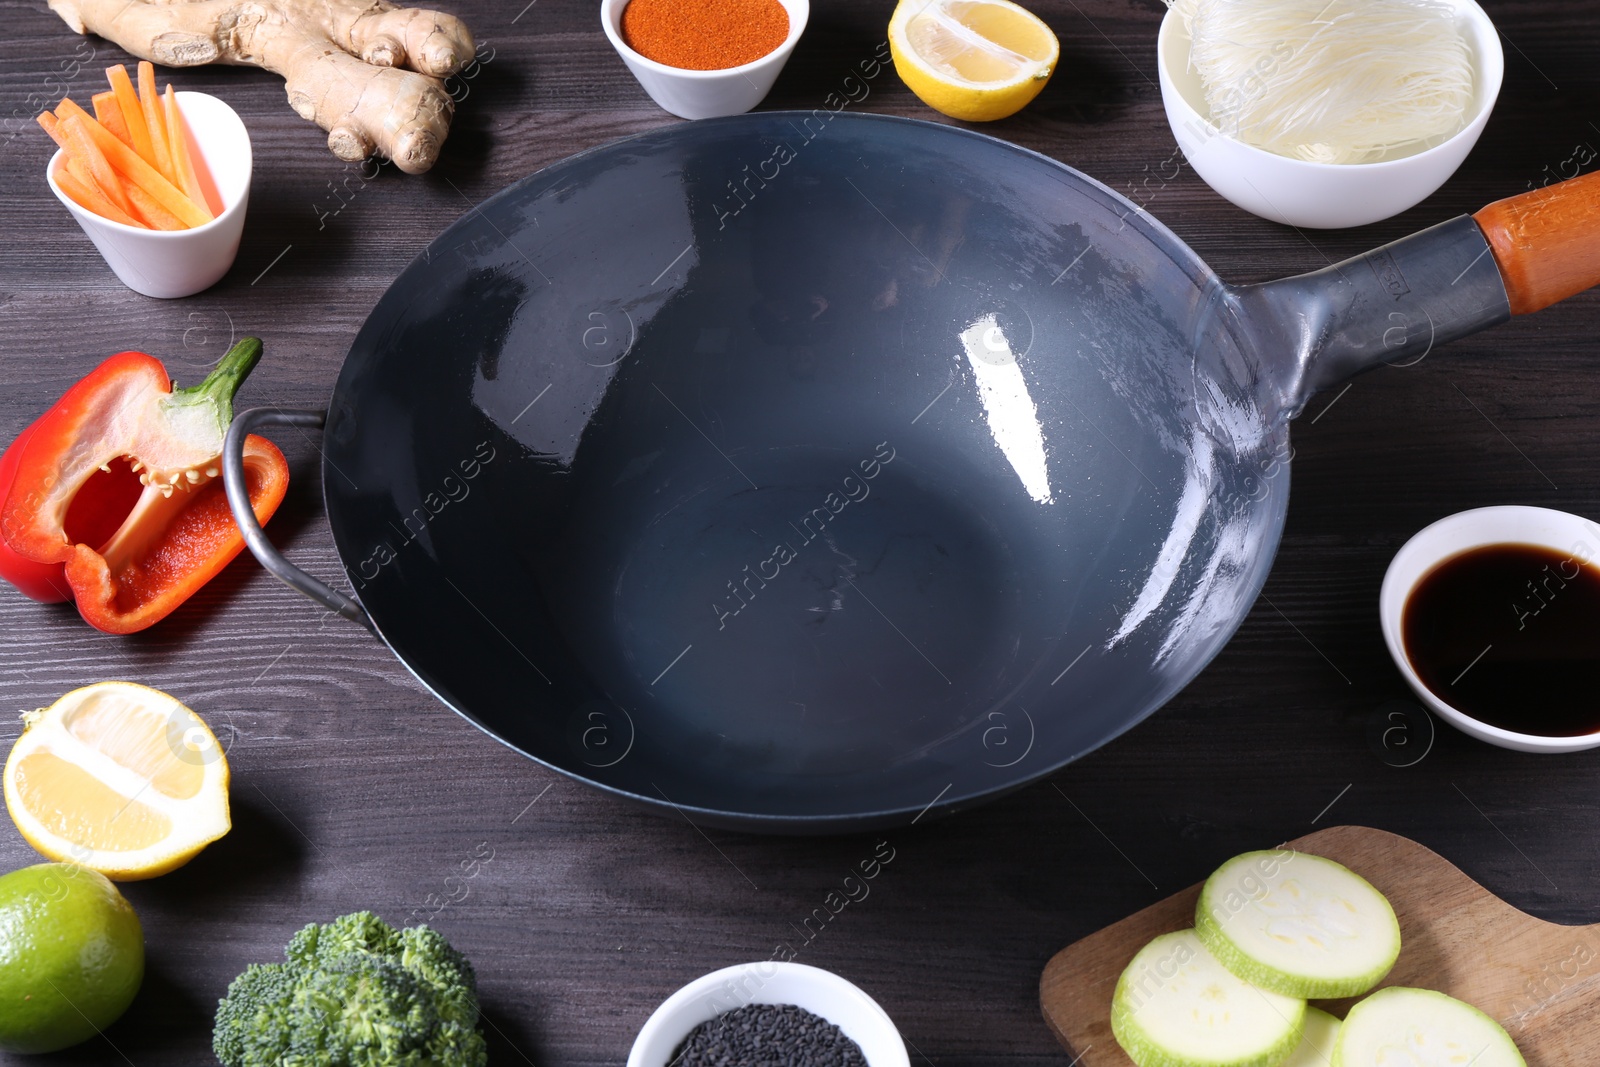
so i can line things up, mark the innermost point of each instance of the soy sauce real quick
(1510, 635)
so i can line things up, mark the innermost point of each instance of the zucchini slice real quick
(1316, 1042)
(1176, 1006)
(1298, 924)
(1421, 1028)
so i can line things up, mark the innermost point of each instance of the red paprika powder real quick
(704, 34)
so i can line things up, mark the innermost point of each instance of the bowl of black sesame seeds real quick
(769, 1014)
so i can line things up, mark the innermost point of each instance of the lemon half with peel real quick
(977, 60)
(120, 778)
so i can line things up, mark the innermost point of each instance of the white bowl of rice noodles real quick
(1327, 113)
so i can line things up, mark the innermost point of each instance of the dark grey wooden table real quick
(353, 788)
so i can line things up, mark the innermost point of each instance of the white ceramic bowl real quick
(706, 94)
(180, 262)
(817, 991)
(1319, 195)
(1558, 530)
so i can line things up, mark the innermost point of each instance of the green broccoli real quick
(354, 993)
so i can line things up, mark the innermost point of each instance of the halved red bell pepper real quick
(44, 582)
(119, 484)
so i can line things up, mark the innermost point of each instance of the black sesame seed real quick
(767, 1035)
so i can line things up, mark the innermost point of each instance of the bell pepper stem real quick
(219, 386)
(229, 373)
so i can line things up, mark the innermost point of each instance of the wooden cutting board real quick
(1540, 980)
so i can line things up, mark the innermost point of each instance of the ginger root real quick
(341, 60)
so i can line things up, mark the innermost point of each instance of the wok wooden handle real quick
(1547, 242)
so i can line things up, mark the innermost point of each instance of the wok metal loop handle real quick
(243, 514)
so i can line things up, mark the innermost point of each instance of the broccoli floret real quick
(360, 931)
(425, 952)
(253, 1019)
(354, 993)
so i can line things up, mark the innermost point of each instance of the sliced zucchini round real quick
(1316, 1040)
(1421, 1028)
(1298, 924)
(1176, 1006)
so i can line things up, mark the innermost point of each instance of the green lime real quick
(71, 956)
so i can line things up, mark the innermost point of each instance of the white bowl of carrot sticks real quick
(159, 183)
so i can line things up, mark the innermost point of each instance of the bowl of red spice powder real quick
(701, 59)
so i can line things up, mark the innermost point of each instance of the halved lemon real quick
(119, 778)
(977, 60)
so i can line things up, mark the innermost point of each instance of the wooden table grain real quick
(353, 788)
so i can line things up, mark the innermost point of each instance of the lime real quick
(71, 956)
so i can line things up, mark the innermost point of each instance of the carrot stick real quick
(76, 168)
(86, 148)
(132, 112)
(90, 198)
(79, 173)
(154, 215)
(72, 165)
(150, 102)
(109, 114)
(182, 160)
(52, 126)
(128, 163)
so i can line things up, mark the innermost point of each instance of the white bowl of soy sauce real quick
(1493, 617)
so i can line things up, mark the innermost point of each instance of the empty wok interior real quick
(803, 473)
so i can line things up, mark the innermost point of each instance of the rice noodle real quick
(1332, 81)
